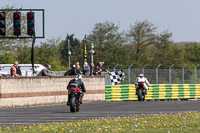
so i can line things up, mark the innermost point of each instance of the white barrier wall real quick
(27, 91)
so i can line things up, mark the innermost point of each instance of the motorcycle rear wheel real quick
(73, 104)
(77, 105)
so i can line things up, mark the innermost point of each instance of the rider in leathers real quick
(76, 83)
(142, 79)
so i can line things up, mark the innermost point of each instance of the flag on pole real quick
(117, 77)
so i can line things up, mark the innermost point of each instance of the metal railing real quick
(161, 76)
(155, 76)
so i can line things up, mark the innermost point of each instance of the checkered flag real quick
(117, 77)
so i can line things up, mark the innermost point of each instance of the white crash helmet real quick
(141, 75)
(78, 77)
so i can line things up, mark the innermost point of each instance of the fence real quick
(161, 76)
(155, 76)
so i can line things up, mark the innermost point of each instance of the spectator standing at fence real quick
(13, 70)
(92, 69)
(18, 71)
(74, 69)
(100, 68)
(78, 68)
(86, 69)
(45, 71)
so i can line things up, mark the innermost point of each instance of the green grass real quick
(173, 123)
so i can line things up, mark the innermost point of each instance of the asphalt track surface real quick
(92, 110)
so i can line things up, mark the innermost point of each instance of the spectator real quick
(77, 68)
(45, 71)
(18, 71)
(74, 69)
(100, 68)
(86, 69)
(13, 70)
(92, 69)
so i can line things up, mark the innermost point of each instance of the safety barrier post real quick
(195, 71)
(143, 68)
(183, 73)
(157, 73)
(129, 73)
(170, 74)
(116, 66)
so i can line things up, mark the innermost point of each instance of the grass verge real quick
(163, 123)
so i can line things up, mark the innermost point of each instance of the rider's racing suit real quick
(76, 83)
(142, 80)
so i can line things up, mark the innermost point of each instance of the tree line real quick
(139, 45)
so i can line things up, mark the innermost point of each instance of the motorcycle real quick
(141, 92)
(74, 99)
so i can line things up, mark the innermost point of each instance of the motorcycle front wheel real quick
(141, 95)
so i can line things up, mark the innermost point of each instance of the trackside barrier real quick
(156, 91)
(44, 90)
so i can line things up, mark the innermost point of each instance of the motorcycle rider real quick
(76, 83)
(144, 80)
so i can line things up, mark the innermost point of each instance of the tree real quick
(108, 44)
(140, 36)
(162, 50)
(7, 58)
(74, 48)
(192, 54)
(23, 54)
(166, 53)
(48, 53)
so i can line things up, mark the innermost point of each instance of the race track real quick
(92, 110)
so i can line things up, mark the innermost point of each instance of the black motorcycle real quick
(74, 100)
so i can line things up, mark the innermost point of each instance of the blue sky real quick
(62, 17)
